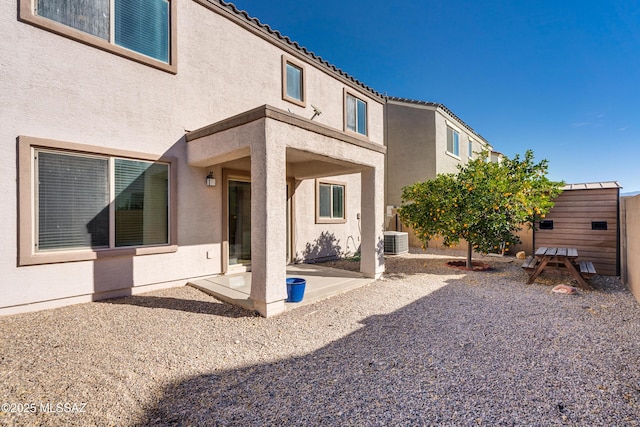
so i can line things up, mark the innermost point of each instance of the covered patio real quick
(277, 150)
(322, 282)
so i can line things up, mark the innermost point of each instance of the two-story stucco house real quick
(149, 142)
(423, 139)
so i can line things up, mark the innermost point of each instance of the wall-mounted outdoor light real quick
(211, 180)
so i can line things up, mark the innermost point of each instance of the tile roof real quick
(441, 107)
(592, 185)
(282, 39)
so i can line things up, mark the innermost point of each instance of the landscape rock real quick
(564, 289)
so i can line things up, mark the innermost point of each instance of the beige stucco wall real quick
(56, 88)
(411, 148)
(630, 243)
(447, 162)
(417, 145)
(317, 240)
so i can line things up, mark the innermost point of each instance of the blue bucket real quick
(295, 289)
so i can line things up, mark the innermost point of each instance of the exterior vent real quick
(546, 225)
(396, 242)
(598, 225)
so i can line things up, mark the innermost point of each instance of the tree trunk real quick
(469, 254)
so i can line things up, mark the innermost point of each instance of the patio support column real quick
(268, 226)
(372, 217)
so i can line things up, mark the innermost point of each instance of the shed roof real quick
(592, 185)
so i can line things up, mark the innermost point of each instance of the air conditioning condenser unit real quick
(396, 242)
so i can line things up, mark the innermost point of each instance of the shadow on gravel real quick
(191, 306)
(399, 266)
(463, 355)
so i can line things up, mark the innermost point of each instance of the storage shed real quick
(585, 217)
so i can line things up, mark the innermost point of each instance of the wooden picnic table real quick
(558, 256)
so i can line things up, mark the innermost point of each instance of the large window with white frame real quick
(330, 202)
(453, 141)
(134, 28)
(83, 203)
(355, 114)
(293, 81)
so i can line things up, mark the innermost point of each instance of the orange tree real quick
(485, 203)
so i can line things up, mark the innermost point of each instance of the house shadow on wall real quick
(428, 363)
(141, 216)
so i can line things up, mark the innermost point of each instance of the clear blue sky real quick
(559, 77)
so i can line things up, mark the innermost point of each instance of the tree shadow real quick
(325, 247)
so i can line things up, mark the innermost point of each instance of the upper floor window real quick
(293, 82)
(470, 149)
(140, 29)
(356, 114)
(453, 141)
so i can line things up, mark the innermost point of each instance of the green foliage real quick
(485, 203)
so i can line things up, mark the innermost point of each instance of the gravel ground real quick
(425, 345)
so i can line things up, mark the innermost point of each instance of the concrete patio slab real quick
(322, 282)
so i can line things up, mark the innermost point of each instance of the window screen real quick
(324, 199)
(362, 116)
(90, 16)
(72, 201)
(139, 25)
(143, 26)
(351, 113)
(356, 115)
(294, 82)
(142, 210)
(338, 201)
(453, 142)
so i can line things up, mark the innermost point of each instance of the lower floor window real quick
(86, 201)
(330, 201)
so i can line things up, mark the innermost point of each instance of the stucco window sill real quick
(89, 255)
(453, 155)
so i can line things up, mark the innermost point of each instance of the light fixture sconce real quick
(211, 180)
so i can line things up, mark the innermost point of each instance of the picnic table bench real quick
(559, 257)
